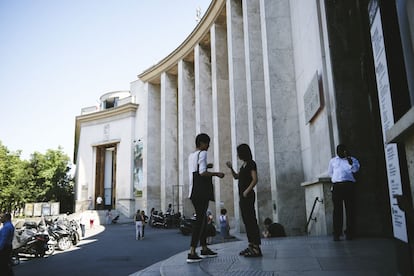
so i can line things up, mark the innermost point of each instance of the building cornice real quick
(188, 45)
(106, 113)
(130, 108)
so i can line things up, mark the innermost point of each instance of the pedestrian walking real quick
(91, 220)
(108, 216)
(144, 222)
(138, 225)
(99, 201)
(83, 220)
(6, 239)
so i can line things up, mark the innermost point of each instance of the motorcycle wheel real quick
(50, 249)
(64, 243)
(40, 254)
(15, 259)
(75, 238)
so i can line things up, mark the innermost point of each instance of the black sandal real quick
(244, 252)
(253, 252)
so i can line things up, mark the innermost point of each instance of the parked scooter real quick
(59, 234)
(28, 240)
(173, 220)
(115, 219)
(186, 225)
(73, 228)
(158, 220)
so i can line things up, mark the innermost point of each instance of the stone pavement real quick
(300, 255)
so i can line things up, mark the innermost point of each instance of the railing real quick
(93, 109)
(311, 213)
(89, 109)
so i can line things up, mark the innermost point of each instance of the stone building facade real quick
(292, 78)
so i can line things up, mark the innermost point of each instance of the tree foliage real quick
(43, 178)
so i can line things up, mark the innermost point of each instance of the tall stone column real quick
(186, 130)
(203, 98)
(151, 145)
(237, 88)
(221, 119)
(282, 116)
(256, 103)
(169, 137)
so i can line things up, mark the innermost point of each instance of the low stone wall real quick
(318, 197)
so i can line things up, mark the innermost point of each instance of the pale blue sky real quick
(57, 56)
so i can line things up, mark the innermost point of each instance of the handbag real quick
(202, 185)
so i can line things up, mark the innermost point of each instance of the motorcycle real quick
(60, 235)
(186, 225)
(173, 220)
(158, 220)
(73, 228)
(30, 241)
(115, 219)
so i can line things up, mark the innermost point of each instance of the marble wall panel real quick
(221, 110)
(169, 140)
(237, 75)
(281, 91)
(310, 57)
(256, 99)
(152, 146)
(186, 132)
(203, 91)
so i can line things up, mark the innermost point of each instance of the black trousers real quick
(343, 193)
(249, 218)
(82, 226)
(199, 233)
(5, 265)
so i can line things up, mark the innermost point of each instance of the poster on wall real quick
(387, 120)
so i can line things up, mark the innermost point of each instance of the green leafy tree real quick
(44, 178)
(50, 179)
(13, 177)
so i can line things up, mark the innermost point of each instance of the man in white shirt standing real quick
(200, 195)
(341, 170)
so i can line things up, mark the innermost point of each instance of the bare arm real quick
(252, 184)
(235, 175)
(207, 173)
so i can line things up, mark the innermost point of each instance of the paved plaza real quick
(289, 256)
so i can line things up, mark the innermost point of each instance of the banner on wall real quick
(387, 119)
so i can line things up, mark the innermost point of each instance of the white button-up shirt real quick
(340, 171)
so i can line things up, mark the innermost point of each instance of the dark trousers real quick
(199, 232)
(343, 193)
(82, 226)
(249, 219)
(5, 265)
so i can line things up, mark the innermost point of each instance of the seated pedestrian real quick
(273, 229)
(224, 224)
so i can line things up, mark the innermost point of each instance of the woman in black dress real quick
(247, 177)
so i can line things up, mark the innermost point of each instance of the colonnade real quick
(233, 79)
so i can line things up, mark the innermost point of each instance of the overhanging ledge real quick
(401, 128)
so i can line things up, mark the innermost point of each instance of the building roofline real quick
(188, 45)
(103, 114)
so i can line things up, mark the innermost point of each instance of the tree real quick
(50, 178)
(13, 177)
(44, 178)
